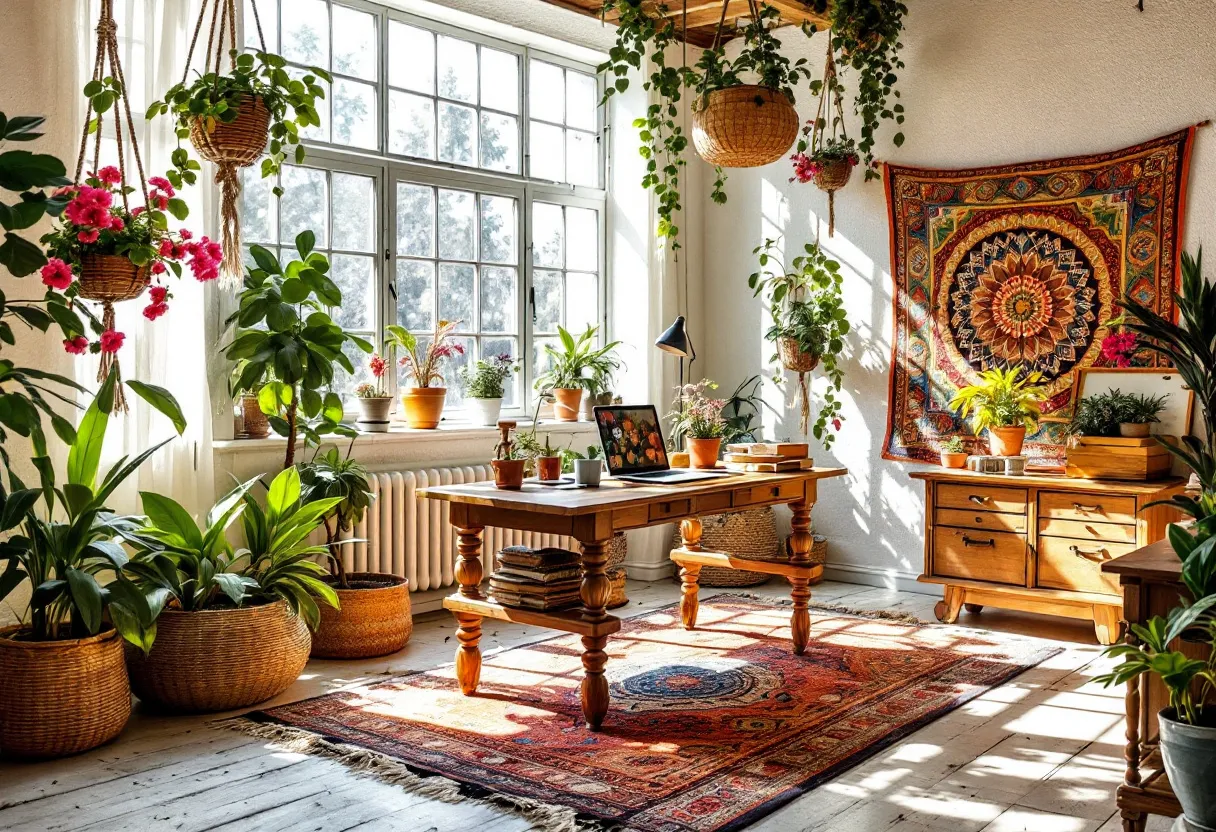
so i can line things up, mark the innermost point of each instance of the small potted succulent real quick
(484, 387)
(699, 419)
(1005, 403)
(1138, 412)
(954, 453)
(423, 401)
(548, 462)
(374, 400)
(570, 368)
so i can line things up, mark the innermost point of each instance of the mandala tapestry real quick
(1023, 265)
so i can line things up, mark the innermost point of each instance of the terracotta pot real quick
(508, 473)
(257, 426)
(954, 460)
(423, 406)
(374, 414)
(1134, 430)
(549, 468)
(703, 453)
(373, 618)
(61, 697)
(565, 409)
(1006, 441)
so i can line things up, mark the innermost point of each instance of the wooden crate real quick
(1118, 458)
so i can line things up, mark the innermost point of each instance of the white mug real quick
(587, 472)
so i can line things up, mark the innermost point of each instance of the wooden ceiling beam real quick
(703, 15)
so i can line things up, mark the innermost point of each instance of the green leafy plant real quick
(953, 445)
(1096, 415)
(1141, 408)
(332, 475)
(740, 409)
(28, 175)
(1003, 398)
(485, 379)
(217, 98)
(578, 361)
(568, 456)
(290, 344)
(758, 62)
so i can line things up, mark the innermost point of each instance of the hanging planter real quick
(744, 126)
(111, 278)
(239, 142)
(794, 358)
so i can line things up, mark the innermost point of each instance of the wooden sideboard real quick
(1036, 543)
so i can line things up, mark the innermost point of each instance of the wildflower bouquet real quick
(695, 414)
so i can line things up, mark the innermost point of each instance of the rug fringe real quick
(544, 816)
(884, 615)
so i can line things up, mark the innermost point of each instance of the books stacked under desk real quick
(769, 457)
(536, 579)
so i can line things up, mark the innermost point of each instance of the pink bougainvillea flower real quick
(88, 236)
(110, 175)
(161, 183)
(57, 274)
(158, 294)
(135, 212)
(111, 340)
(154, 310)
(166, 248)
(1118, 348)
(836, 424)
(185, 234)
(158, 267)
(160, 200)
(77, 345)
(116, 224)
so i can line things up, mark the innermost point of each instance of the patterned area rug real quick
(1023, 265)
(707, 730)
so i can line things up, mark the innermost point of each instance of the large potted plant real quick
(571, 366)
(484, 387)
(809, 327)
(698, 418)
(373, 614)
(373, 398)
(235, 628)
(423, 401)
(1005, 403)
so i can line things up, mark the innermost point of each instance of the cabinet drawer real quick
(1076, 564)
(1084, 530)
(993, 521)
(710, 503)
(998, 557)
(1101, 508)
(670, 508)
(982, 497)
(783, 492)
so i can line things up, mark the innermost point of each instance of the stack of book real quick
(769, 457)
(536, 579)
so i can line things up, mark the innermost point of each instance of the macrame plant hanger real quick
(227, 163)
(829, 122)
(108, 291)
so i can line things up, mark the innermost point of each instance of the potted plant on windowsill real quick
(246, 391)
(954, 453)
(1005, 403)
(423, 402)
(699, 419)
(571, 366)
(374, 401)
(484, 387)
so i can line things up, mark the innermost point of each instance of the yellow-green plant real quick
(1002, 399)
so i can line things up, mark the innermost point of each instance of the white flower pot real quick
(483, 411)
(374, 414)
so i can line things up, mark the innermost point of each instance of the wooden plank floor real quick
(1041, 754)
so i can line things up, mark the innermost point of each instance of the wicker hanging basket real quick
(833, 175)
(744, 126)
(748, 534)
(61, 697)
(239, 142)
(372, 620)
(216, 660)
(793, 358)
(111, 278)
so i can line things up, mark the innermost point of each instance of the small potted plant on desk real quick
(1005, 403)
(374, 400)
(699, 420)
(1138, 412)
(423, 402)
(484, 387)
(572, 366)
(954, 453)
(508, 465)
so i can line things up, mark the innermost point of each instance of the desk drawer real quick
(982, 497)
(1084, 530)
(997, 557)
(712, 503)
(1076, 564)
(776, 492)
(1100, 508)
(670, 508)
(993, 521)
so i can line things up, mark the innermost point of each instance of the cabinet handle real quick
(971, 541)
(978, 499)
(1091, 554)
(1081, 507)
(776, 490)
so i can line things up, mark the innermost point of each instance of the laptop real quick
(632, 439)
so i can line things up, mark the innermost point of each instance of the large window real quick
(456, 177)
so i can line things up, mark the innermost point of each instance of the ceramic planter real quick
(508, 473)
(257, 426)
(1189, 754)
(549, 468)
(373, 618)
(1006, 441)
(423, 406)
(483, 412)
(373, 414)
(1134, 430)
(952, 460)
(703, 453)
(566, 406)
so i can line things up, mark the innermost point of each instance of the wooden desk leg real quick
(594, 592)
(468, 631)
(800, 554)
(690, 533)
(947, 609)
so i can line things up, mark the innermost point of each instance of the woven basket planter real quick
(111, 278)
(833, 175)
(372, 621)
(744, 126)
(239, 142)
(216, 660)
(617, 598)
(793, 358)
(618, 549)
(748, 534)
(61, 697)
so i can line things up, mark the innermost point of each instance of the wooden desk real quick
(592, 516)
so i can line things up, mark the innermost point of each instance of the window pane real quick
(305, 204)
(548, 235)
(582, 236)
(582, 301)
(548, 290)
(411, 63)
(456, 212)
(354, 43)
(581, 159)
(580, 100)
(258, 211)
(541, 361)
(457, 69)
(497, 299)
(416, 294)
(353, 274)
(456, 294)
(306, 33)
(503, 346)
(344, 384)
(499, 142)
(268, 13)
(411, 124)
(354, 114)
(547, 93)
(451, 371)
(354, 212)
(415, 220)
(498, 229)
(546, 152)
(457, 134)
(499, 80)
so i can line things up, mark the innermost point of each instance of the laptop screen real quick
(632, 438)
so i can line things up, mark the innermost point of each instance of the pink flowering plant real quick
(378, 366)
(1118, 348)
(809, 163)
(423, 364)
(696, 414)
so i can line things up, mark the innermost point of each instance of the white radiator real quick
(408, 535)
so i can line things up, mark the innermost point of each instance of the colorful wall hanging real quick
(1023, 264)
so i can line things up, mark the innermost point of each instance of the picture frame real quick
(1157, 381)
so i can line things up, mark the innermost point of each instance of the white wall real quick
(986, 82)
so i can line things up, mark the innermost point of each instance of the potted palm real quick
(699, 419)
(1005, 403)
(953, 453)
(571, 366)
(374, 400)
(423, 402)
(484, 387)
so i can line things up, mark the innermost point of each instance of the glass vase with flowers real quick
(698, 418)
(423, 362)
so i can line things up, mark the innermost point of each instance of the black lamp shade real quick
(675, 340)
